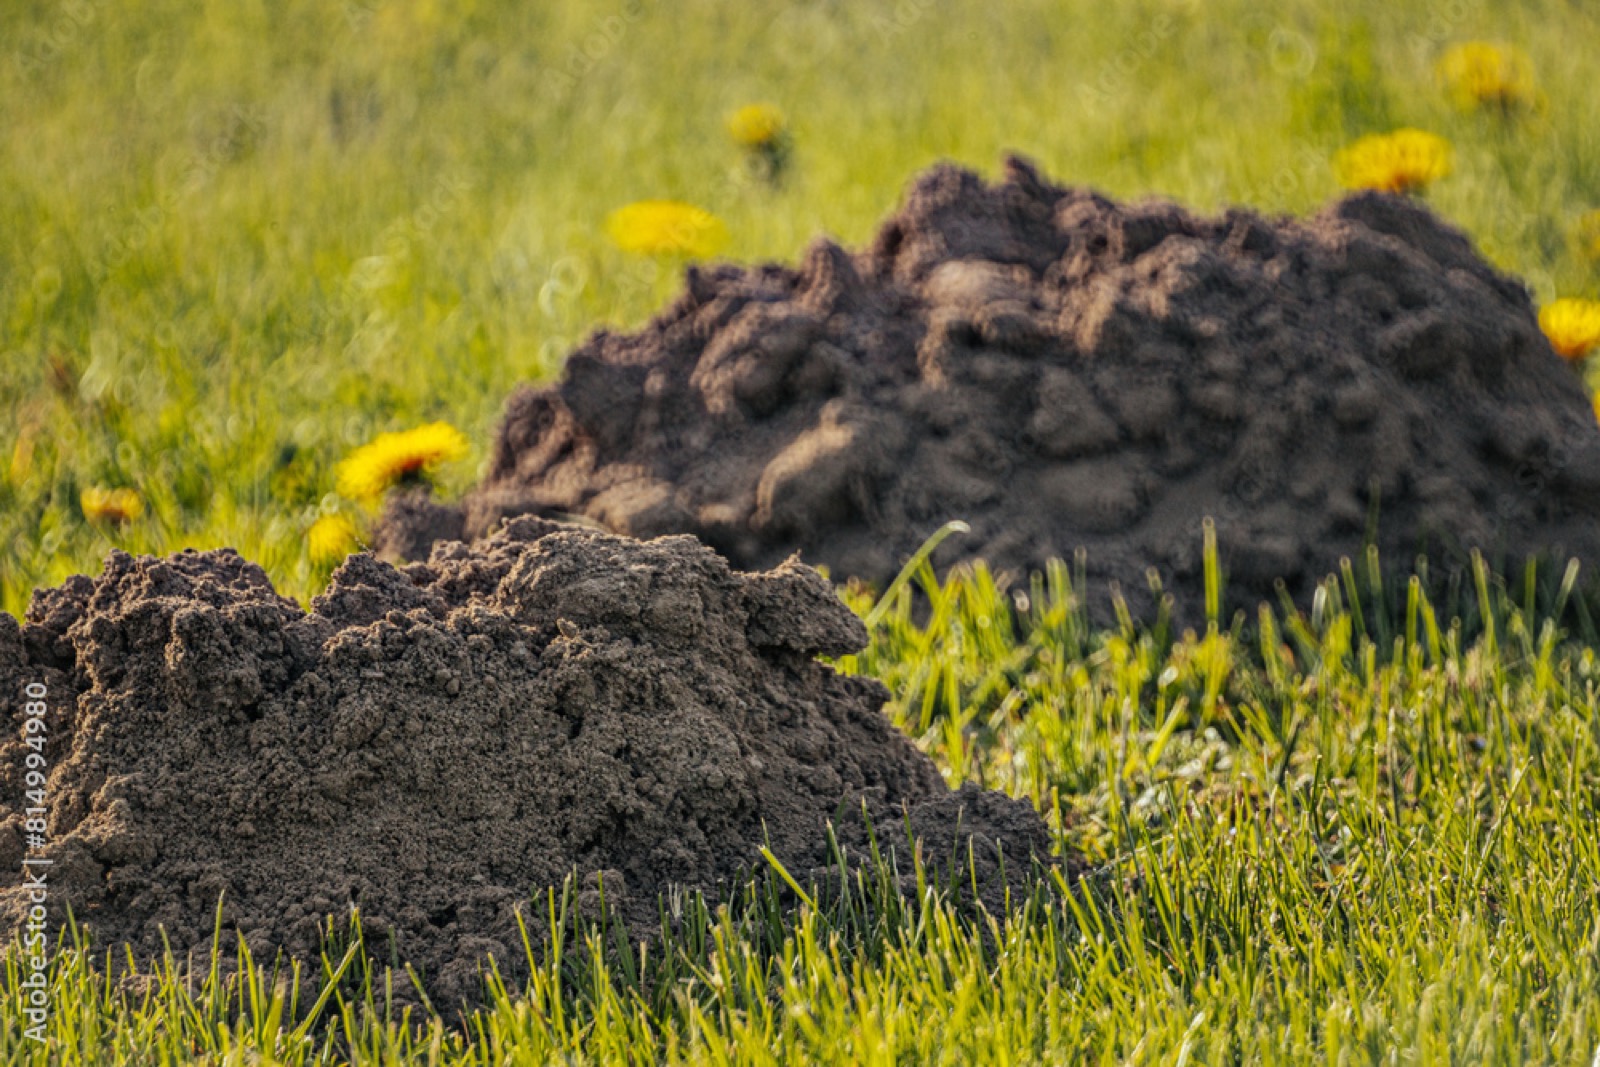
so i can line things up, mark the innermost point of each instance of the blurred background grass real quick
(238, 239)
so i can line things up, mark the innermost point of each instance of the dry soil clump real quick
(438, 744)
(1063, 371)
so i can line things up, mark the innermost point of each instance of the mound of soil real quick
(1066, 372)
(438, 744)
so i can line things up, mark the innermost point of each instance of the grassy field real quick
(1351, 837)
(238, 240)
(241, 239)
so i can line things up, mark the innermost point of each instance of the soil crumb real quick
(1066, 372)
(436, 744)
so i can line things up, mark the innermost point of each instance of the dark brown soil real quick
(1062, 372)
(438, 744)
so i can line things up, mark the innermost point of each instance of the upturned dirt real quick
(1065, 372)
(435, 745)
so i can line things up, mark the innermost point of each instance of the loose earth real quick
(1065, 372)
(436, 745)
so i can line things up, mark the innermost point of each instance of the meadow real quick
(240, 240)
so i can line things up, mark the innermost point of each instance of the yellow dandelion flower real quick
(1588, 234)
(1479, 73)
(115, 506)
(1572, 325)
(667, 227)
(391, 458)
(1404, 161)
(756, 125)
(331, 538)
(22, 456)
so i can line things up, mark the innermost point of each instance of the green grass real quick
(241, 239)
(237, 240)
(1307, 843)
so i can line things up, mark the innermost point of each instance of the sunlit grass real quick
(239, 243)
(242, 240)
(1310, 837)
